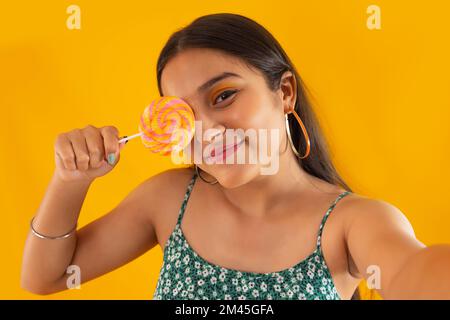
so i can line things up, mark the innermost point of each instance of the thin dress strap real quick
(324, 219)
(186, 198)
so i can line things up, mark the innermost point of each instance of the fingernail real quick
(111, 158)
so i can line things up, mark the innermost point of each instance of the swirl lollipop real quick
(166, 125)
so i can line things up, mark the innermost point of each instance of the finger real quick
(121, 146)
(80, 149)
(94, 143)
(58, 161)
(111, 143)
(64, 150)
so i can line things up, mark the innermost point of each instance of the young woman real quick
(227, 231)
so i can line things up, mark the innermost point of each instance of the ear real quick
(288, 91)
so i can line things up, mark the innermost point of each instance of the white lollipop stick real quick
(127, 138)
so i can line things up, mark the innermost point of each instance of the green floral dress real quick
(184, 275)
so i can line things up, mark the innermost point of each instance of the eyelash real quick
(232, 93)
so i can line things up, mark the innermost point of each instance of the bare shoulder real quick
(356, 211)
(167, 185)
(163, 193)
(169, 180)
(367, 222)
(362, 210)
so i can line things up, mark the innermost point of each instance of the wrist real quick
(80, 183)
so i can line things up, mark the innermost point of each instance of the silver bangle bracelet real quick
(48, 237)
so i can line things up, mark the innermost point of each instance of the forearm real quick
(425, 275)
(46, 260)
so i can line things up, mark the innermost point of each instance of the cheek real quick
(253, 110)
(256, 112)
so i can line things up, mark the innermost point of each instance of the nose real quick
(210, 129)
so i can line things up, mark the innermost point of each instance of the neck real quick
(266, 193)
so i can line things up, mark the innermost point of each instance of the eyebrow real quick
(212, 81)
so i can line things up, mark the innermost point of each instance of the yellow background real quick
(382, 95)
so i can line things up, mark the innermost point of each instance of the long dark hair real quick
(246, 39)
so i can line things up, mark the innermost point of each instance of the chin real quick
(231, 176)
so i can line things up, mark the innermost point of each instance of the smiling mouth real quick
(227, 150)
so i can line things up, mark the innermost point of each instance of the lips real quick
(226, 149)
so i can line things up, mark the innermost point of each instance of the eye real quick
(224, 95)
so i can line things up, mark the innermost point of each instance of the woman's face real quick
(239, 99)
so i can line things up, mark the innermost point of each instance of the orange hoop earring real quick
(305, 133)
